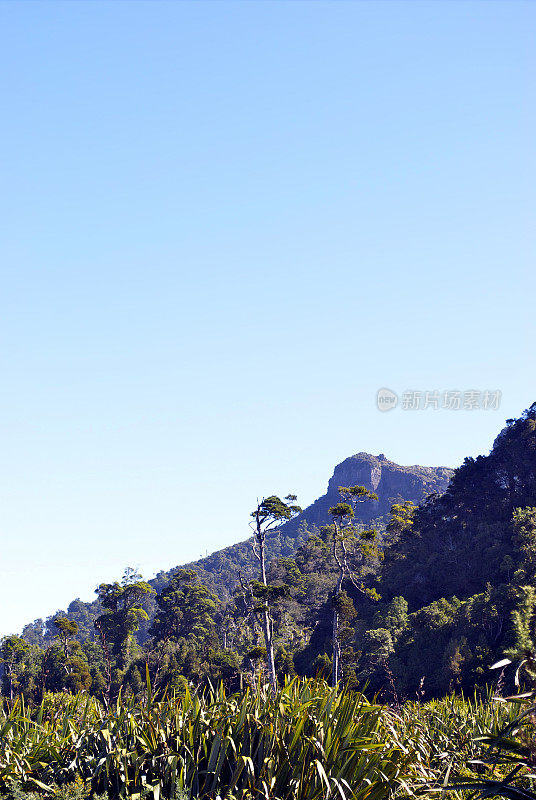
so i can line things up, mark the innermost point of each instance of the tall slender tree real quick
(269, 514)
(343, 536)
(13, 650)
(66, 629)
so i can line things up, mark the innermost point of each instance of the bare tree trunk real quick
(108, 665)
(266, 621)
(268, 639)
(336, 653)
(336, 646)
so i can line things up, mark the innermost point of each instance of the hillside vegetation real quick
(424, 602)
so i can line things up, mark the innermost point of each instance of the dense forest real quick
(413, 604)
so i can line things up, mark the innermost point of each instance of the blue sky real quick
(224, 227)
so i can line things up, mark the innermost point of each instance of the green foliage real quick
(401, 519)
(66, 627)
(524, 631)
(123, 613)
(77, 790)
(506, 767)
(63, 671)
(342, 512)
(458, 541)
(186, 609)
(12, 655)
(524, 540)
(272, 511)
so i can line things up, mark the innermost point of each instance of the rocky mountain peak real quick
(390, 481)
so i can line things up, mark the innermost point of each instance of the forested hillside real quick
(220, 570)
(420, 602)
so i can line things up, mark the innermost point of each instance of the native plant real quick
(306, 742)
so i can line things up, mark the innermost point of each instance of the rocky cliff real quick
(391, 482)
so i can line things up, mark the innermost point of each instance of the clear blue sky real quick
(224, 227)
